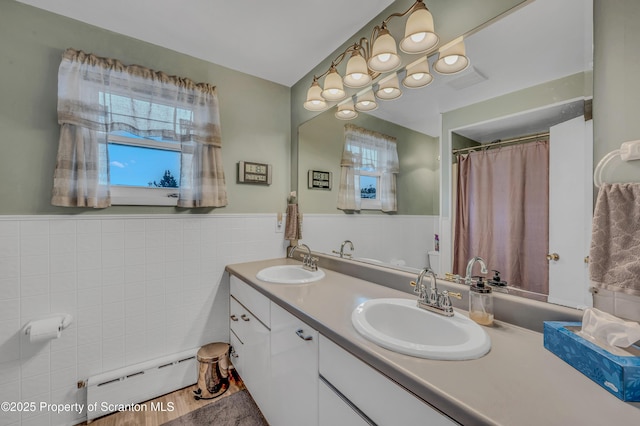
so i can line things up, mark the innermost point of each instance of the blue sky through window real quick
(137, 166)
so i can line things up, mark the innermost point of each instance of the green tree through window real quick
(167, 181)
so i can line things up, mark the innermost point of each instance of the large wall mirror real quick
(530, 70)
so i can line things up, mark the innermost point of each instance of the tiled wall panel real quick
(138, 287)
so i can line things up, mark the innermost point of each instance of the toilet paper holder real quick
(65, 321)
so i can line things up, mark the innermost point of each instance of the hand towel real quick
(292, 230)
(614, 259)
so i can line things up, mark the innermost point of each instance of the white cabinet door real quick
(333, 410)
(294, 371)
(250, 340)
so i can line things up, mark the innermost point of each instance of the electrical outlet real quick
(279, 225)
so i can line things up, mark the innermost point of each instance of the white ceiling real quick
(282, 40)
(277, 40)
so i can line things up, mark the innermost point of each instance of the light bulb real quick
(451, 59)
(388, 90)
(418, 37)
(365, 103)
(417, 76)
(384, 57)
(356, 76)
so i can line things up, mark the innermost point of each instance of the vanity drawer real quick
(252, 299)
(243, 323)
(373, 393)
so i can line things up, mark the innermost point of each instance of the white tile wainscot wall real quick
(387, 238)
(138, 287)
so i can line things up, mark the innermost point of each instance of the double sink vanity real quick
(346, 344)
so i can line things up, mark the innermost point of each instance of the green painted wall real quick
(254, 113)
(616, 92)
(321, 142)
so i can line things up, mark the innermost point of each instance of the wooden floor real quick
(182, 400)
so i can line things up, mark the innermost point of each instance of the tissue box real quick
(619, 375)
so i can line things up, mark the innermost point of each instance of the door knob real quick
(553, 256)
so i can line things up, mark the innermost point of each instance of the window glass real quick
(368, 187)
(144, 167)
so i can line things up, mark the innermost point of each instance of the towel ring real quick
(597, 174)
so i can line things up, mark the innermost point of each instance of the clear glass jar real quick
(481, 303)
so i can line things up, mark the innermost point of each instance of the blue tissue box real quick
(619, 375)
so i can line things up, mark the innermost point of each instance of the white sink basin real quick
(289, 274)
(399, 325)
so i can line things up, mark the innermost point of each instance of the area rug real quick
(238, 409)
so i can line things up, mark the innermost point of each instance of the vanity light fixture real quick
(419, 34)
(418, 74)
(377, 57)
(452, 58)
(315, 101)
(389, 88)
(371, 57)
(333, 88)
(346, 110)
(384, 55)
(366, 101)
(357, 74)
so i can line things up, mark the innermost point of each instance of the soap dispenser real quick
(481, 303)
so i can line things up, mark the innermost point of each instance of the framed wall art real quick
(319, 179)
(250, 172)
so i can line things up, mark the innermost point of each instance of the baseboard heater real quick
(125, 388)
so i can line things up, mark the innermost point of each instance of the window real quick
(369, 166)
(131, 135)
(369, 196)
(143, 171)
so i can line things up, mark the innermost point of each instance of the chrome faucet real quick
(308, 262)
(433, 300)
(341, 252)
(483, 268)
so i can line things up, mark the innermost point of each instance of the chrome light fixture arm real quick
(419, 4)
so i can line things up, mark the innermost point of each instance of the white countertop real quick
(517, 383)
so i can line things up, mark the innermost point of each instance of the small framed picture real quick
(319, 179)
(250, 172)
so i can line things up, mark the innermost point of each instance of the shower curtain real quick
(502, 213)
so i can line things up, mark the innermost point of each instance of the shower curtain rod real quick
(501, 143)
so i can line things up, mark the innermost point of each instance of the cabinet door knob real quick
(244, 317)
(233, 317)
(300, 333)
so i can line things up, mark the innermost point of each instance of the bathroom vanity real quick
(304, 363)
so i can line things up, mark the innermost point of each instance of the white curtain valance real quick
(104, 95)
(367, 149)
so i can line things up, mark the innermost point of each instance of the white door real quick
(570, 211)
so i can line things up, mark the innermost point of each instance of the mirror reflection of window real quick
(369, 167)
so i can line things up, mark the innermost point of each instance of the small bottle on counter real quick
(481, 303)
